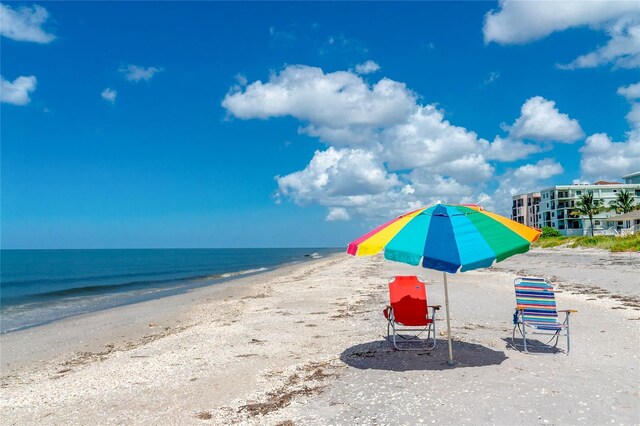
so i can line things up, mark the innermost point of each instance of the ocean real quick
(40, 286)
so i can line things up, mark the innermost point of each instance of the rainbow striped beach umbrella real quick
(447, 238)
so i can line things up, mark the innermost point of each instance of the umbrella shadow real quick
(533, 346)
(380, 355)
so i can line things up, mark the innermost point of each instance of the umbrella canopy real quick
(447, 238)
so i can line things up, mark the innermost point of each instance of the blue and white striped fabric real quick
(536, 299)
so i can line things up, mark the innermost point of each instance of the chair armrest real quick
(569, 311)
(436, 307)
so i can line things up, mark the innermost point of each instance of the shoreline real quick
(48, 295)
(104, 329)
(304, 344)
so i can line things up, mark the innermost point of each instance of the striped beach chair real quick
(408, 315)
(536, 311)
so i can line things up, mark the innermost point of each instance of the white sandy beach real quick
(304, 345)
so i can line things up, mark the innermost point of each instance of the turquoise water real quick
(40, 286)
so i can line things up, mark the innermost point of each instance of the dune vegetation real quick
(605, 242)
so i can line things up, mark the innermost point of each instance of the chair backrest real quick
(408, 296)
(537, 300)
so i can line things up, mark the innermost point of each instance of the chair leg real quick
(395, 344)
(435, 340)
(524, 337)
(568, 343)
(421, 344)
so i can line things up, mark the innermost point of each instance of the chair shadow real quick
(381, 355)
(533, 346)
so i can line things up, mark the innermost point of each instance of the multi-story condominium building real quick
(557, 203)
(632, 178)
(525, 209)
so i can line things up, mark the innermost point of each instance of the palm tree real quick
(623, 202)
(588, 206)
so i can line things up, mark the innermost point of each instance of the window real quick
(596, 222)
(578, 192)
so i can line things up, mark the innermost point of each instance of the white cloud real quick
(508, 149)
(387, 153)
(432, 187)
(109, 95)
(603, 159)
(137, 73)
(337, 173)
(17, 92)
(426, 139)
(541, 121)
(543, 169)
(337, 213)
(524, 21)
(338, 105)
(630, 92)
(622, 49)
(524, 179)
(633, 117)
(24, 23)
(367, 67)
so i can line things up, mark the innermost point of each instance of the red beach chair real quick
(408, 312)
(536, 310)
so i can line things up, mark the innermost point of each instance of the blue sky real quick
(300, 124)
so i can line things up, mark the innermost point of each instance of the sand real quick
(305, 345)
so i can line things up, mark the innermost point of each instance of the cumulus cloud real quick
(386, 153)
(24, 23)
(524, 179)
(367, 67)
(338, 105)
(338, 173)
(426, 139)
(633, 117)
(508, 149)
(109, 95)
(605, 159)
(337, 213)
(622, 49)
(543, 169)
(525, 21)
(630, 92)
(518, 22)
(137, 73)
(17, 92)
(541, 121)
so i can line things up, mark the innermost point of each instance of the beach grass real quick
(605, 242)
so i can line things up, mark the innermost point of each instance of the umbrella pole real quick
(446, 305)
